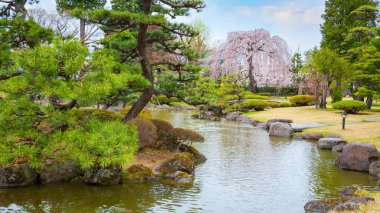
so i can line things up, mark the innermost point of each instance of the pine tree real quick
(138, 29)
(82, 5)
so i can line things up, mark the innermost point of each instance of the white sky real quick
(297, 22)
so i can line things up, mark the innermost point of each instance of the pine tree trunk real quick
(148, 92)
(82, 31)
(369, 103)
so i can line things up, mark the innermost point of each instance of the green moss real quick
(138, 173)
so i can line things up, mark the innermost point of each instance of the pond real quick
(246, 171)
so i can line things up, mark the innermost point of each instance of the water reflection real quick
(246, 171)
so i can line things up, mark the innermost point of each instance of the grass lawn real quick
(356, 128)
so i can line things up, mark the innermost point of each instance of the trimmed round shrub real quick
(144, 114)
(273, 104)
(350, 106)
(147, 132)
(257, 105)
(284, 104)
(187, 136)
(301, 100)
(166, 139)
(250, 95)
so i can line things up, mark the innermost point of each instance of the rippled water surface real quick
(246, 171)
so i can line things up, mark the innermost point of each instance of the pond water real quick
(246, 171)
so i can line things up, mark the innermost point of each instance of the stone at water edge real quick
(343, 203)
(312, 136)
(350, 191)
(138, 173)
(271, 121)
(181, 178)
(17, 176)
(103, 176)
(198, 157)
(374, 169)
(280, 129)
(357, 157)
(338, 148)
(333, 136)
(181, 162)
(232, 116)
(208, 116)
(56, 172)
(329, 143)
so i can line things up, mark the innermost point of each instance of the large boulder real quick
(232, 116)
(99, 175)
(138, 173)
(312, 136)
(198, 157)
(343, 203)
(357, 156)
(181, 162)
(329, 143)
(181, 178)
(17, 175)
(59, 172)
(280, 129)
(338, 148)
(208, 116)
(333, 136)
(271, 121)
(374, 169)
(245, 119)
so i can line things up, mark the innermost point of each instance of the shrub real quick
(107, 143)
(257, 105)
(163, 99)
(179, 104)
(147, 133)
(250, 95)
(273, 104)
(337, 95)
(144, 114)
(186, 136)
(174, 99)
(235, 106)
(285, 104)
(106, 115)
(350, 106)
(165, 136)
(301, 100)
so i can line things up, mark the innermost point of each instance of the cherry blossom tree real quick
(263, 60)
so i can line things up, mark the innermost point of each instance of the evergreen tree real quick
(39, 119)
(331, 66)
(81, 5)
(139, 29)
(297, 71)
(339, 19)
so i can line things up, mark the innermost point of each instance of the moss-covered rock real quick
(181, 162)
(179, 178)
(138, 173)
(198, 157)
(17, 175)
(59, 172)
(103, 176)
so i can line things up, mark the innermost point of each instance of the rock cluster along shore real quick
(347, 201)
(232, 116)
(180, 170)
